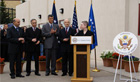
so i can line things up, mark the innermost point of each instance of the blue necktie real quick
(51, 25)
(17, 29)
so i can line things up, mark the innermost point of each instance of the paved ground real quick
(112, 70)
(102, 76)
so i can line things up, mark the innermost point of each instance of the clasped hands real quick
(65, 39)
(34, 40)
(21, 39)
(53, 31)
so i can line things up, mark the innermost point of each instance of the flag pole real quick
(95, 69)
(56, 69)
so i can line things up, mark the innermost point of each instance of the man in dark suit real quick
(4, 43)
(50, 31)
(33, 38)
(66, 48)
(15, 35)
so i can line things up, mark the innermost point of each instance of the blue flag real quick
(92, 27)
(75, 22)
(54, 13)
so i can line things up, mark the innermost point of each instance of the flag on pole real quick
(75, 22)
(92, 27)
(54, 13)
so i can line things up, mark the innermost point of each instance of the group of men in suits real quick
(33, 37)
(17, 37)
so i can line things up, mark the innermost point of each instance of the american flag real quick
(75, 22)
(92, 27)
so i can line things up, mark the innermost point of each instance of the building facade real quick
(12, 3)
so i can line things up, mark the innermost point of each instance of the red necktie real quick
(66, 31)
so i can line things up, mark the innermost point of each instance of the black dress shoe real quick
(19, 76)
(12, 76)
(64, 74)
(28, 74)
(38, 74)
(70, 74)
(54, 73)
(47, 74)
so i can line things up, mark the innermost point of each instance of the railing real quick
(10, 13)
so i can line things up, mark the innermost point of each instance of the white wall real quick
(110, 20)
(38, 7)
(133, 22)
(23, 11)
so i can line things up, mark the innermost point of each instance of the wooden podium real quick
(81, 47)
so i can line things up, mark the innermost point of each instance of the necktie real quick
(51, 25)
(17, 29)
(66, 31)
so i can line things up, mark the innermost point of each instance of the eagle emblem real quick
(125, 42)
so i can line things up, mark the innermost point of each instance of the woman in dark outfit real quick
(84, 30)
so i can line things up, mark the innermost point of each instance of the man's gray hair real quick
(33, 20)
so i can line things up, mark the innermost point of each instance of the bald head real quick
(66, 23)
(16, 22)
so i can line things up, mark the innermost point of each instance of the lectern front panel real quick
(81, 48)
(81, 66)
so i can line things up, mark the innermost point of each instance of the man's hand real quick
(65, 39)
(52, 31)
(20, 39)
(5, 33)
(37, 42)
(55, 30)
(34, 40)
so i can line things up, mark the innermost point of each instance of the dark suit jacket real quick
(51, 40)
(14, 46)
(30, 34)
(3, 37)
(88, 33)
(62, 35)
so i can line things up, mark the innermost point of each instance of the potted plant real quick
(59, 64)
(1, 65)
(42, 63)
(107, 58)
(22, 63)
(126, 62)
(115, 57)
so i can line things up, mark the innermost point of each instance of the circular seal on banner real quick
(125, 43)
(74, 39)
